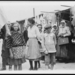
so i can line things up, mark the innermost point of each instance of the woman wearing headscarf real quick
(63, 40)
(33, 45)
(6, 46)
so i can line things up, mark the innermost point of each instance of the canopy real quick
(14, 11)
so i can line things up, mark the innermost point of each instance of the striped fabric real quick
(17, 39)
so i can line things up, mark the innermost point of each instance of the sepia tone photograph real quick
(37, 36)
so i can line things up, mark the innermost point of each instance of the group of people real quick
(16, 48)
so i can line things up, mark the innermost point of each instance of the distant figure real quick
(63, 40)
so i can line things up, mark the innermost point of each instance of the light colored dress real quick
(33, 45)
(50, 42)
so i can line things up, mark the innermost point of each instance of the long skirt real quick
(63, 51)
(33, 49)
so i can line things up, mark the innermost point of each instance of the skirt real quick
(18, 52)
(18, 56)
(33, 49)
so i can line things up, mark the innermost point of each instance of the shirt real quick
(49, 38)
(33, 32)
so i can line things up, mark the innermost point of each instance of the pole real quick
(34, 12)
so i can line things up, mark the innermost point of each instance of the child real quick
(17, 50)
(49, 43)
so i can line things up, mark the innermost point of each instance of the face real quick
(29, 24)
(48, 30)
(40, 27)
(63, 24)
(9, 24)
(16, 26)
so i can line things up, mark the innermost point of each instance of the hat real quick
(63, 21)
(47, 27)
(31, 21)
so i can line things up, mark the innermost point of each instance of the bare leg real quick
(15, 67)
(20, 67)
(10, 67)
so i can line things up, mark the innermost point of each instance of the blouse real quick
(33, 32)
(65, 31)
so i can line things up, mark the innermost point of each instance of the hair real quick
(31, 21)
(19, 27)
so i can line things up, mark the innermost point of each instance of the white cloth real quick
(33, 32)
(65, 31)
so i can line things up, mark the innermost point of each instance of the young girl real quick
(17, 50)
(49, 47)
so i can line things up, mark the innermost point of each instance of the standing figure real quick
(33, 45)
(63, 40)
(6, 47)
(18, 45)
(40, 41)
(49, 42)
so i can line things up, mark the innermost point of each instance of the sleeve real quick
(54, 37)
(2, 32)
(68, 33)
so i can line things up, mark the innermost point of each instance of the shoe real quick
(3, 69)
(31, 69)
(51, 67)
(35, 68)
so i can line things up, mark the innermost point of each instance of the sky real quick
(14, 11)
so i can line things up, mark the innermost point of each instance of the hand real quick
(46, 52)
(64, 36)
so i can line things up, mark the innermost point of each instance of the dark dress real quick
(18, 43)
(5, 47)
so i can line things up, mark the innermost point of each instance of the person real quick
(49, 42)
(18, 45)
(33, 45)
(63, 40)
(5, 46)
(41, 35)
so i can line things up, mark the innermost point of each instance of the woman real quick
(6, 46)
(18, 45)
(49, 44)
(40, 42)
(33, 46)
(63, 40)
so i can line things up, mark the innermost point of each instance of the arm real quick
(68, 33)
(54, 37)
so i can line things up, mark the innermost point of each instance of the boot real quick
(35, 68)
(39, 64)
(31, 65)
